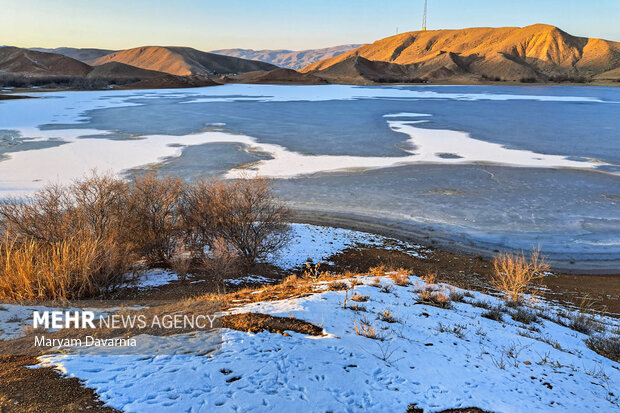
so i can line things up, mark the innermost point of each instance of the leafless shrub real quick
(222, 260)
(376, 282)
(481, 304)
(244, 212)
(181, 261)
(105, 217)
(514, 273)
(312, 271)
(153, 211)
(581, 323)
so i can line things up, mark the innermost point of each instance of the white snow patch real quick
(153, 278)
(256, 279)
(314, 243)
(497, 366)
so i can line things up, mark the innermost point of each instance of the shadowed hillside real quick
(533, 53)
(277, 76)
(32, 63)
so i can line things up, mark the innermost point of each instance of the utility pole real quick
(424, 17)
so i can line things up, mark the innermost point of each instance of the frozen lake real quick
(487, 166)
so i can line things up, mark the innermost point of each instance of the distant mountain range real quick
(289, 59)
(529, 54)
(83, 55)
(538, 53)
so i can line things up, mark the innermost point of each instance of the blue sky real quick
(271, 24)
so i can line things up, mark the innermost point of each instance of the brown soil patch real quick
(597, 292)
(256, 323)
(23, 389)
(7, 97)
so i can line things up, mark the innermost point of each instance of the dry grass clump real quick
(357, 307)
(387, 316)
(606, 346)
(430, 278)
(524, 316)
(378, 271)
(434, 298)
(581, 323)
(456, 296)
(376, 282)
(92, 232)
(74, 268)
(400, 277)
(495, 313)
(339, 286)
(514, 273)
(360, 298)
(366, 328)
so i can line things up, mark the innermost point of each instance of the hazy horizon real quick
(209, 25)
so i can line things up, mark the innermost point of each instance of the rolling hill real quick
(182, 61)
(290, 59)
(32, 63)
(533, 53)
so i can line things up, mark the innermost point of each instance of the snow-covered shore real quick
(433, 357)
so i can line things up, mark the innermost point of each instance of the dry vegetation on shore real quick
(77, 241)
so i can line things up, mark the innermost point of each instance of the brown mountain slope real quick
(32, 63)
(278, 76)
(182, 61)
(168, 81)
(536, 52)
(116, 70)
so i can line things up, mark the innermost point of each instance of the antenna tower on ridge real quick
(424, 17)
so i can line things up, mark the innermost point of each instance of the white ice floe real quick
(71, 107)
(283, 93)
(27, 171)
(431, 357)
(23, 172)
